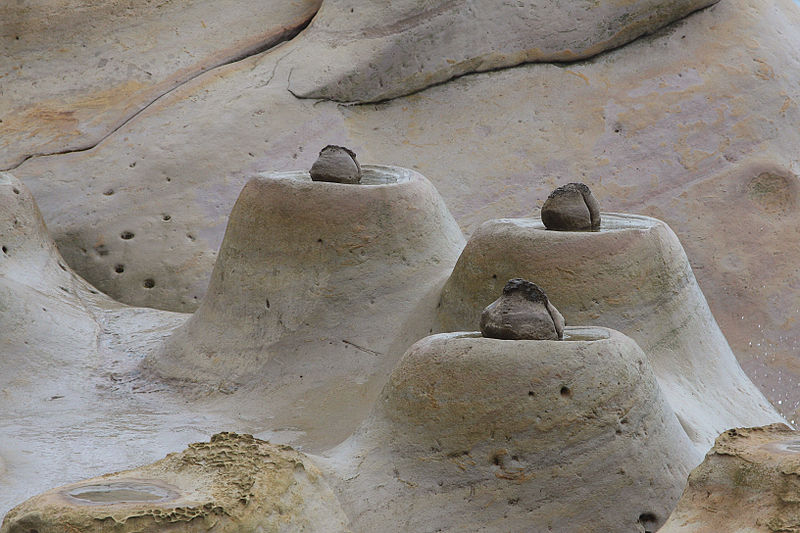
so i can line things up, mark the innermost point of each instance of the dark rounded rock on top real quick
(522, 312)
(571, 207)
(336, 164)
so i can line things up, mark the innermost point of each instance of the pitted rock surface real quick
(233, 483)
(522, 312)
(571, 207)
(337, 164)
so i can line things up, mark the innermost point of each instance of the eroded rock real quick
(336, 164)
(317, 291)
(748, 483)
(571, 207)
(523, 312)
(477, 434)
(234, 483)
(632, 275)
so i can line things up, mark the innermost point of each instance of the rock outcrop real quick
(748, 483)
(318, 290)
(362, 51)
(633, 275)
(234, 483)
(477, 434)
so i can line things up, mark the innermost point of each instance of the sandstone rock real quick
(631, 275)
(75, 70)
(234, 483)
(748, 483)
(336, 164)
(318, 290)
(571, 207)
(477, 434)
(360, 51)
(688, 125)
(522, 312)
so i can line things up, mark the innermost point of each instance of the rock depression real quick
(232, 484)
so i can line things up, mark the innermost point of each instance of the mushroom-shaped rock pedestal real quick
(632, 275)
(235, 483)
(479, 434)
(748, 483)
(318, 290)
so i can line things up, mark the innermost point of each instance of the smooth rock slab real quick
(748, 483)
(364, 51)
(74, 70)
(234, 483)
(477, 434)
(633, 275)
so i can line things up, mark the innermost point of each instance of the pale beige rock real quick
(697, 125)
(234, 483)
(631, 275)
(72, 71)
(318, 290)
(476, 434)
(748, 483)
(362, 51)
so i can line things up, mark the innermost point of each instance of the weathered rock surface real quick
(476, 434)
(234, 483)
(748, 483)
(571, 207)
(360, 51)
(318, 290)
(522, 312)
(697, 125)
(632, 275)
(74, 70)
(336, 164)
(73, 403)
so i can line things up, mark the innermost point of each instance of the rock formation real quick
(318, 290)
(377, 51)
(571, 207)
(73, 71)
(477, 434)
(748, 483)
(631, 275)
(336, 164)
(234, 483)
(522, 312)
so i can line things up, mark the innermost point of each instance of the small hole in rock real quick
(127, 235)
(119, 269)
(149, 283)
(62, 267)
(494, 276)
(530, 393)
(649, 521)
(132, 164)
(108, 192)
(190, 237)
(267, 303)
(166, 217)
(565, 392)
(16, 191)
(5, 250)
